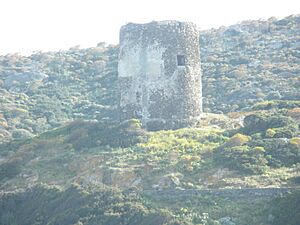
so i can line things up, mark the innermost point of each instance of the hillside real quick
(66, 159)
(265, 152)
(155, 176)
(254, 61)
(45, 90)
(251, 62)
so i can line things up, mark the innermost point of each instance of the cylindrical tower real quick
(159, 74)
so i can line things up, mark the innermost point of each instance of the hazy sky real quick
(29, 25)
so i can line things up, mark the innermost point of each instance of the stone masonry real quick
(159, 74)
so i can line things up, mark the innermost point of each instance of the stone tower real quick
(159, 74)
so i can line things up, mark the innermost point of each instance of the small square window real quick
(180, 60)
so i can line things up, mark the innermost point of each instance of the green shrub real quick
(84, 134)
(286, 132)
(9, 170)
(19, 134)
(286, 209)
(270, 133)
(260, 123)
(237, 140)
(295, 141)
(279, 152)
(242, 158)
(77, 205)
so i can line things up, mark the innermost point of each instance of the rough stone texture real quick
(153, 86)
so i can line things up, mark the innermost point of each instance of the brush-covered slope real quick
(110, 173)
(242, 64)
(45, 90)
(250, 62)
(263, 152)
(105, 206)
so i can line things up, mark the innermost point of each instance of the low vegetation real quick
(253, 65)
(65, 158)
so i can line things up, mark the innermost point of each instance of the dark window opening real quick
(180, 60)
(138, 96)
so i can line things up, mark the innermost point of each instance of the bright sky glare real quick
(51, 25)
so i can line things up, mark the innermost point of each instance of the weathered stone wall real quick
(159, 74)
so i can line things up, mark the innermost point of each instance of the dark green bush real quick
(286, 132)
(83, 134)
(20, 134)
(242, 158)
(286, 209)
(256, 123)
(88, 206)
(9, 170)
(279, 152)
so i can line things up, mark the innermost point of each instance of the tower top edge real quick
(162, 23)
